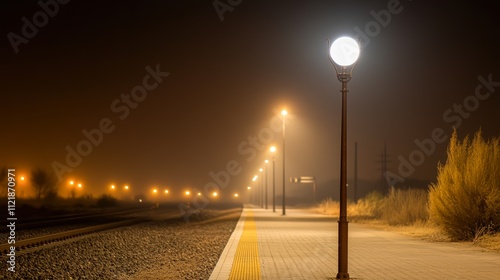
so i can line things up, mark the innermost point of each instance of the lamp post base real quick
(342, 272)
(342, 276)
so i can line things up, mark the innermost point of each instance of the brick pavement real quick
(303, 245)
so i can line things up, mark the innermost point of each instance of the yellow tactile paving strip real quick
(246, 264)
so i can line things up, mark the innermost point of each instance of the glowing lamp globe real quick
(344, 51)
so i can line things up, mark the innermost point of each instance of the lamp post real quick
(284, 113)
(343, 54)
(249, 194)
(72, 189)
(257, 201)
(265, 175)
(261, 186)
(273, 150)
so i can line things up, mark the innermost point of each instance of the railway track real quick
(65, 219)
(66, 235)
(135, 216)
(35, 242)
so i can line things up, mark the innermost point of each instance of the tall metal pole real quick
(343, 223)
(344, 53)
(259, 194)
(284, 211)
(266, 186)
(355, 171)
(274, 184)
(261, 191)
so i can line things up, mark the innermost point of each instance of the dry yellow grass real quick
(490, 241)
(465, 201)
(421, 230)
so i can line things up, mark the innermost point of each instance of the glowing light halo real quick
(344, 51)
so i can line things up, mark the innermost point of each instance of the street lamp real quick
(273, 150)
(284, 113)
(22, 182)
(265, 175)
(261, 187)
(344, 53)
(249, 194)
(256, 192)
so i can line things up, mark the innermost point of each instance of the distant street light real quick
(155, 191)
(344, 53)
(126, 187)
(188, 192)
(261, 187)
(273, 150)
(22, 178)
(256, 192)
(113, 187)
(284, 113)
(249, 194)
(166, 191)
(73, 188)
(265, 175)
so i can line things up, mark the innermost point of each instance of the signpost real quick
(306, 180)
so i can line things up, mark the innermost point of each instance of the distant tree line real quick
(42, 182)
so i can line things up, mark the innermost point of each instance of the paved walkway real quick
(303, 245)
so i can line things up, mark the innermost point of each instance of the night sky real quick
(227, 79)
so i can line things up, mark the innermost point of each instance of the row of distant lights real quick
(126, 187)
(72, 183)
(272, 149)
(187, 193)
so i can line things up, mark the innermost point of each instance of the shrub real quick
(398, 207)
(366, 207)
(329, 207)
(465, 201)
(404, 207)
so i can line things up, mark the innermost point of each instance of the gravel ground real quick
(171, 249)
